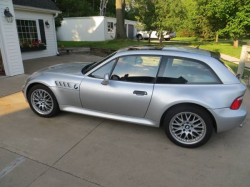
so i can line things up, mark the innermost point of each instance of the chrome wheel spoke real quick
(187, 128)
(42, 101)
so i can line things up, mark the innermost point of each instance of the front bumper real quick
(227, 119)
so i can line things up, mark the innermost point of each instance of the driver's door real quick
(129, 89)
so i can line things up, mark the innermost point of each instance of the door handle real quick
(136, 92)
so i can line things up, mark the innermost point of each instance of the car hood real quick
(69, 68)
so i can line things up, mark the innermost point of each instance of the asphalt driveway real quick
(72, 150)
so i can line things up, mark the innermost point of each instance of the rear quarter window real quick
(176, 70)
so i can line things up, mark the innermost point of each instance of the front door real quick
(130, 87)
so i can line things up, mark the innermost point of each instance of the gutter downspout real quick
(57, 52)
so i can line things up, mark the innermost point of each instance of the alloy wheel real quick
(187, 128)
(42, 101)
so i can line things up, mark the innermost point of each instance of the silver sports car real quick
(188, 91)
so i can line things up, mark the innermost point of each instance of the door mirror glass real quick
(106, 79)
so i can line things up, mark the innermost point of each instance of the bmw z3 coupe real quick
(188, 91)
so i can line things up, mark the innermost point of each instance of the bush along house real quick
(27, 31)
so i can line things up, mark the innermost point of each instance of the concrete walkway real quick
(233, 60)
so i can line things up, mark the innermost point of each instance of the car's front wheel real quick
(42, 101)
(188, 126)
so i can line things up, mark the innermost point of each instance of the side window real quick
(185, 71)
(110, 27)
(138, 68)
(99, 73)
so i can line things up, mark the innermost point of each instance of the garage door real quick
(131, 31)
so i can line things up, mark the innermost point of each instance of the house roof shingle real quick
(44, 4)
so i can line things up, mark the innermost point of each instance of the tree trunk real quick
(217, 37)
(236, 42)
(120, 14)
(149, 37)
(161, 38)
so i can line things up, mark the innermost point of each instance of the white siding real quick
(50, 34)
(9, 42)
(82, 29)
(109, 36)
(88, 29)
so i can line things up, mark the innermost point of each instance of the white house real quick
(27, 31)
(96, 28)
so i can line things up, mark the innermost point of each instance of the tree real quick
(169, 16)
(73, 8)
(213, 16)
(120, 17)
(189, 24)
(238, 22)
(145, 14)
(103, 6)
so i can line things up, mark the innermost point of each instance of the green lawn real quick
(224, 46)
(234, 67)
(116, 44)
(110, 44)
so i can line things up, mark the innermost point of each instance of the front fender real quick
(63, 91)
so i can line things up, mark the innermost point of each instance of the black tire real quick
(167, 39)
(55, 109)
(192, 109)
(139, 37)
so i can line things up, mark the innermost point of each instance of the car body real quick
(145, 35)
(171, 79)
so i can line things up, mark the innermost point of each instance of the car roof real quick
(174, 49)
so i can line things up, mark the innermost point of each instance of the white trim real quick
(33, 9)
(4, 57)
(54, 32)
(37, 27)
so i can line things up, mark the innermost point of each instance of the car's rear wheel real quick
(188, 126)
(139, 37)
(42, 101)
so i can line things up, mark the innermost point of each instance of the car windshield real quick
(89, 67)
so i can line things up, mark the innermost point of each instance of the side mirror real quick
(106, 79)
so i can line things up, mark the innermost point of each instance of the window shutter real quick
(42, 31)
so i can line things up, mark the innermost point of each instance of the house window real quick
(110, 27)
(27, 31)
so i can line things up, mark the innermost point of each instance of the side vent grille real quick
(68, 85)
